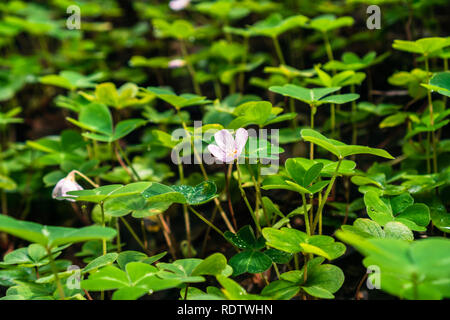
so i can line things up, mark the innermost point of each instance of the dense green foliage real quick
(351, 151)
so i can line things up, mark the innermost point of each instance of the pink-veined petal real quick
(224, 140)
(241, 140)
(217, 152)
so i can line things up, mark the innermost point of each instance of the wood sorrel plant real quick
(281, 186)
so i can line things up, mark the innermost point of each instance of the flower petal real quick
(57, 189)
(224, 140)
(217, 152)
(177, 5)
(63, 186)
(241, 140)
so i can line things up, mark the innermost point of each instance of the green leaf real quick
(250, 261)
(285, 239)
(95, 117)
(178, 101)
(245, 239)
(100, 262)
(324, 280)
(233, 291)
(312, 174)
(295, 171)
(278, 256)
(440, 216)
(366, 228)
(49, 236)
(341, 98)
(197, 195)
(440, 82)
(401, 202)
(7, 183)
(280, 290)
(111, 191)
(71, 80)
(397, 230)
(181, 270)
(340, 149)
(419, 213)
(294, 241)
(126, 257)
(275, 25)
(309, 96)
(377, 209)
(323, 246)
(424, 46)
(214, 265)
(259, 148)
(408, 269)
(254, 112)
(328, 22)
(137, 279)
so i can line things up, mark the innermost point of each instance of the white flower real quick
(65, 185)
(177, 63)
(177, 5)
(228, 148)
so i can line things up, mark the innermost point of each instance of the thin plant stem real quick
(276, 43)
(325, 197)
(227, 185)
(55, 274)
(354, 126)
(85, 178)
(275, 267)
(296, 263)
(328, 47)
(166, 231)
(305, 210)
(311, 145)
(190, 68)
(134, 235)
(103, 225)
(122, 164)
(119, 246)
(294, 122)
(205, 240)
(144, 234)
(430, 105)
(333, 118)
(257, 183)
(244, 196)
(244, 61)
(207, 222)
(124, 155)
(185, 211)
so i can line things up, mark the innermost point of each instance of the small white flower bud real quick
(65, 185)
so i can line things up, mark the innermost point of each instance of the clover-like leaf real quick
(137, 279)
(294, 241)
(49, 236)
(177, 101)
(197, 195)
(340, 149)
(275, 25)
(401, 262)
